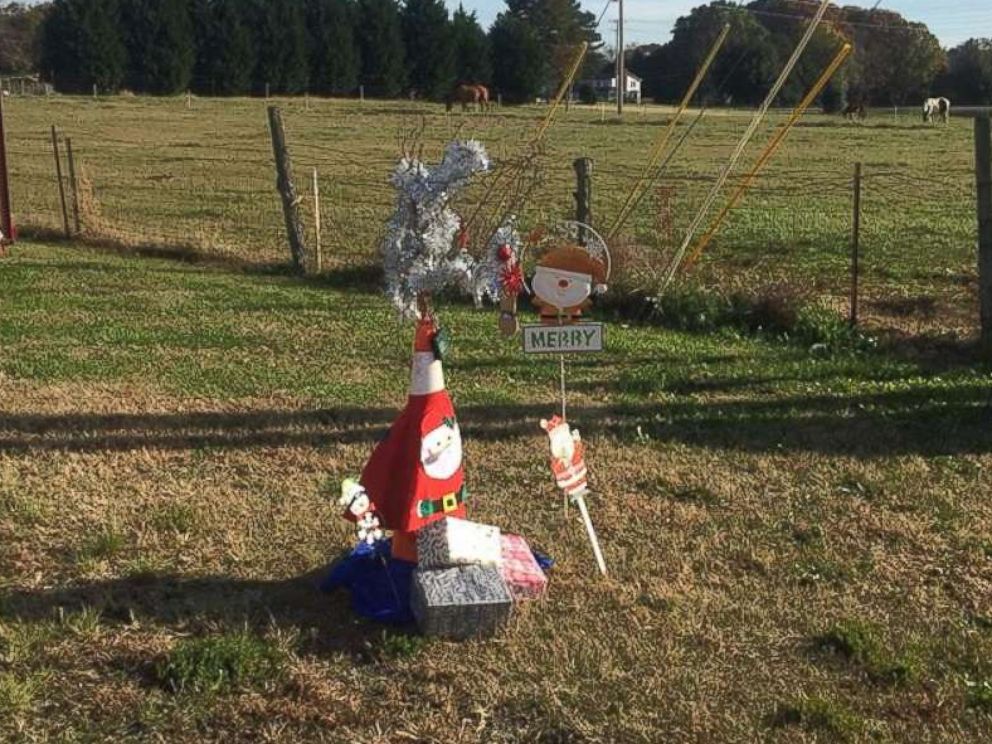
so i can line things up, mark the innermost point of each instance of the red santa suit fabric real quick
(423, 441)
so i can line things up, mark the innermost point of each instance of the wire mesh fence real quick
(201, 180)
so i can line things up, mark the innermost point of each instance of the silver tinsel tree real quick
(420, 251)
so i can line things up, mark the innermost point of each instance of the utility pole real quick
(621, 71)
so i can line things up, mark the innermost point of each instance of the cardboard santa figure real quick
(414, 475)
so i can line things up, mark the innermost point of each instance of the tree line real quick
(896, 61)
(393, 48)
(238, 47)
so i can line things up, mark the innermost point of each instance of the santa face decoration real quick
(563, 282)
(441, 451)
(561, 289)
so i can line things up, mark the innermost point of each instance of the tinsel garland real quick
(420, 251)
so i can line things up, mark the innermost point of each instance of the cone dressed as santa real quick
(414, 475)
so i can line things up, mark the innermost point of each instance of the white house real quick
(605, 88)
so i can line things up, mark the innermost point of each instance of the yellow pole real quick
(566, 85)
(637, 193)
(748, 181)
(742, 144)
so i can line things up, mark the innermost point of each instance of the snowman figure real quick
(359, 507)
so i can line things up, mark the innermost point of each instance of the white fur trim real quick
(426, 374)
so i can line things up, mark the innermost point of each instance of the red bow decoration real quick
(512, 279)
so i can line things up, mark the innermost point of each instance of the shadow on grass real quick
(923, 421)
(209, 604)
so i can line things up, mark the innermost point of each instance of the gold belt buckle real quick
(449, 503)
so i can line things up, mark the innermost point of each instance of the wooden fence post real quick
(983, 177)
(73, 183)
(583, 195)
(6, 216)
(856, 245)
(287, 189)
(58, 175)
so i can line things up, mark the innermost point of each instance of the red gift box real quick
(521, 572)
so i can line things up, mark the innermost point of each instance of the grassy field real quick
(202, 179)
(799, 539)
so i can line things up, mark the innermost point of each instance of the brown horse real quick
(855, 111)
(484, 100)
(467, 95)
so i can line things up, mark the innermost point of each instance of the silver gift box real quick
(461, 602)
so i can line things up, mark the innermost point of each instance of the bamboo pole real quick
(769, 152)
(756, 120)
(641, 186)
(504, 180)
(316, 221)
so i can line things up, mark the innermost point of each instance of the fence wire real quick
(153, 173)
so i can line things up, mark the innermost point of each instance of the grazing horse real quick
(936, 107)
(855, 111)
(463, 94)
(483, 100)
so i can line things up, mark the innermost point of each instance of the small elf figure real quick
(567, 456)
(360, 509)
(563, 282)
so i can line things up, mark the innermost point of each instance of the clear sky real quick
(953, 21)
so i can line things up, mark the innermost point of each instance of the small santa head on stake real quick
(571, 271)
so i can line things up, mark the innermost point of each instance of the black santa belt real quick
(446, 504)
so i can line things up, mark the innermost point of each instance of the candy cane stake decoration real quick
(568, 464)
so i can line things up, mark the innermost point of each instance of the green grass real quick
(200, 182)
(861, 645)
(220, 664)
(820, 716)
(165, 512)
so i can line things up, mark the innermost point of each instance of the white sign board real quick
(580, 338)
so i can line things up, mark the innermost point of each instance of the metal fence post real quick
(983, 178)
(856, 245)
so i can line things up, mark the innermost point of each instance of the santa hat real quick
(426, 372)
(575, 259)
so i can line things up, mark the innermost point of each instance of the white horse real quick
(936, 107)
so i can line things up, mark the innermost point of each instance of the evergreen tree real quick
(519, 61)
(969, 77)
(334, 62)
(281, 45)
(82, 46)
(380, 41)
(471, 48)
(429, 47)
(225, 52)
(159, 39)
(561, 25)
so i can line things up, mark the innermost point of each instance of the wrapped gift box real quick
(460, 602)
(458, 542)
(521, 572)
